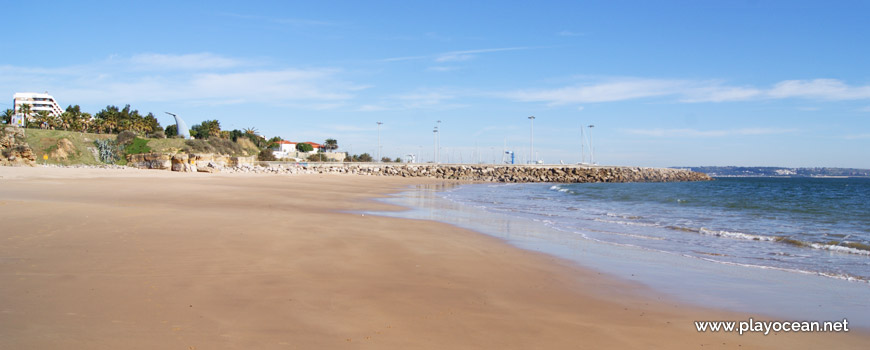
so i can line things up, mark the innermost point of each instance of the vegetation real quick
(7, 116)
(365, 157)
(171, 131)
(43, 142)
(138, 133)
(138, 146)
(206, 129)
(106, 150)
(266, 155)
(304, 147)
(330, 145)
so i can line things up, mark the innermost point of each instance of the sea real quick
(793, 248)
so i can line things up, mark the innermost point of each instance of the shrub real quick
(225, 146)
(266, 155)
(157, 135)
(197, 146)
(125, 137)
(365, 157)
(138, 146)
(106, 150)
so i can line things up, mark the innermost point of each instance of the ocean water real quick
(805, 225)
(793, 249)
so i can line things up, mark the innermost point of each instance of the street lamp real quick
(532, 141)
(591, 149)
(379, 141)
(435, 145)
(438, 142)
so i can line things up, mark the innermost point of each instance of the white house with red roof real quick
(287, 149)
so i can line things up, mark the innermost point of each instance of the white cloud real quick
(615, 90)
(372, 108)
(825, 89)
(857, 136)
(197, 61)
(442, 68)
(689, 91)
(200, 79)
(708, 133)
(455, 56)
(424, 99)
(719, 94)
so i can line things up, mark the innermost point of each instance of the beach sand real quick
(130, 259)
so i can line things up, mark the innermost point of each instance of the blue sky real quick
(666, 83)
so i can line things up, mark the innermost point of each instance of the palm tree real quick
(330, 145)
(44, 119)
(25, 109)
(7, 116)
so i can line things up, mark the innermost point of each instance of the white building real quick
(285, 149)
(37, 101)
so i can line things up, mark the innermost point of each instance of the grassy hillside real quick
(81, 150)
(45, 142)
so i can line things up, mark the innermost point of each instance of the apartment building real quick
(37, 101)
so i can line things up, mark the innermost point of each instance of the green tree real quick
(365, 157)
(45, 120)
(398, 160)
(304, 147)
(171, 131)
(330, 145)
(25, 110)
(7, 116)
(206, 129)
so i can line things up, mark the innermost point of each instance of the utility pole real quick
(532, 140)
(379, 142)
(582, 142)
(435, 145)
(438, 142)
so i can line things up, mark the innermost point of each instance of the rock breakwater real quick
(497, 173)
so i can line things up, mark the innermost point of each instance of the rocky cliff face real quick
(14, 150)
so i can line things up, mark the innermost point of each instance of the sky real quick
(665, 83)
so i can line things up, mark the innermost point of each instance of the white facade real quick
(285, 150)
(37, 101)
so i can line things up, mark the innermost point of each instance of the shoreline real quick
(240, 261)
(745, 289)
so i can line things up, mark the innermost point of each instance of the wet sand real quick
(98, 259)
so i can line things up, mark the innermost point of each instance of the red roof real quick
(284, 142)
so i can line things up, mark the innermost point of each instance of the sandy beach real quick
(132, 259)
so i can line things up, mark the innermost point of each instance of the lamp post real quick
(591, 149)
(379, 141)
(438, 142)
(532, 141)
(435, 145)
